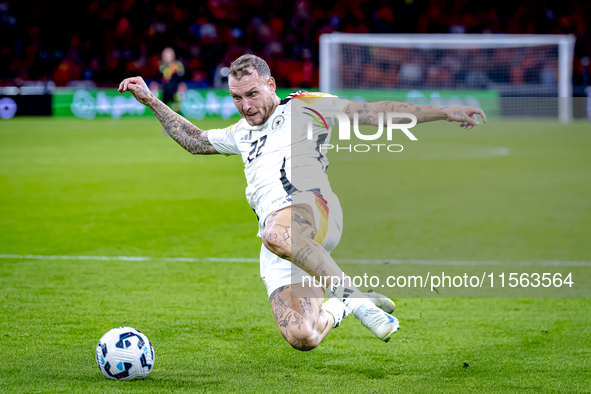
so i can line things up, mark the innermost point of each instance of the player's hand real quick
(138, 88)
(465, 115)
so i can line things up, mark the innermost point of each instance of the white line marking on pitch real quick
(256, 260)
(130, 258)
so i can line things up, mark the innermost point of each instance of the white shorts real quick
(328, 215)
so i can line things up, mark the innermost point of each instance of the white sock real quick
(354, 303)
(337, 309)
(348, 294)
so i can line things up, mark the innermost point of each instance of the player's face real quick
(254, 97)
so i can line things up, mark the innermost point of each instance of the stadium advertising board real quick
(24, 105)
(92, 103)
(101, 102)
(199, 103)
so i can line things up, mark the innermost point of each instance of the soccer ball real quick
(125, 353)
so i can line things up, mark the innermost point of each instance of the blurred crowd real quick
(105, 41)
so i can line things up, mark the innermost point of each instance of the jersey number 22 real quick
(254, 149)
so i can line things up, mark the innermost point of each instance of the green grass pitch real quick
(121, 188)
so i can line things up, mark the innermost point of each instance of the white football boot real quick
(381, 301)
(382, 324)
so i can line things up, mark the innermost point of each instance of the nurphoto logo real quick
(394, 121)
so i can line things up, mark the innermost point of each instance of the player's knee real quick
(278, 241)
(303, 338)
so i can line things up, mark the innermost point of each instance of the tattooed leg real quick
(289, 234)
(301, 321)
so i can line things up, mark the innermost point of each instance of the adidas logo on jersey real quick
(247, 136)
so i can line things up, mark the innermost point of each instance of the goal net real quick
(507, 75)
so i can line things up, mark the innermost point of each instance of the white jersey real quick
(279, 159)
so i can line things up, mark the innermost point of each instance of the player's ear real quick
(272, 85)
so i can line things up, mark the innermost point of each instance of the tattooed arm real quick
(180, 129)
(368, 113)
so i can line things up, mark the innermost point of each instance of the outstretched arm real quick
(368, 113)
(180, 129)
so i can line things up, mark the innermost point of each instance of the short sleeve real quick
(329, 105)
(326, 104)
(223, 141)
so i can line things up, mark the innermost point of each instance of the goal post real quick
(511, 67)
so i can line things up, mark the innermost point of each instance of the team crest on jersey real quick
(278, 122)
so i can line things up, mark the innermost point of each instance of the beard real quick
(262, 114)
